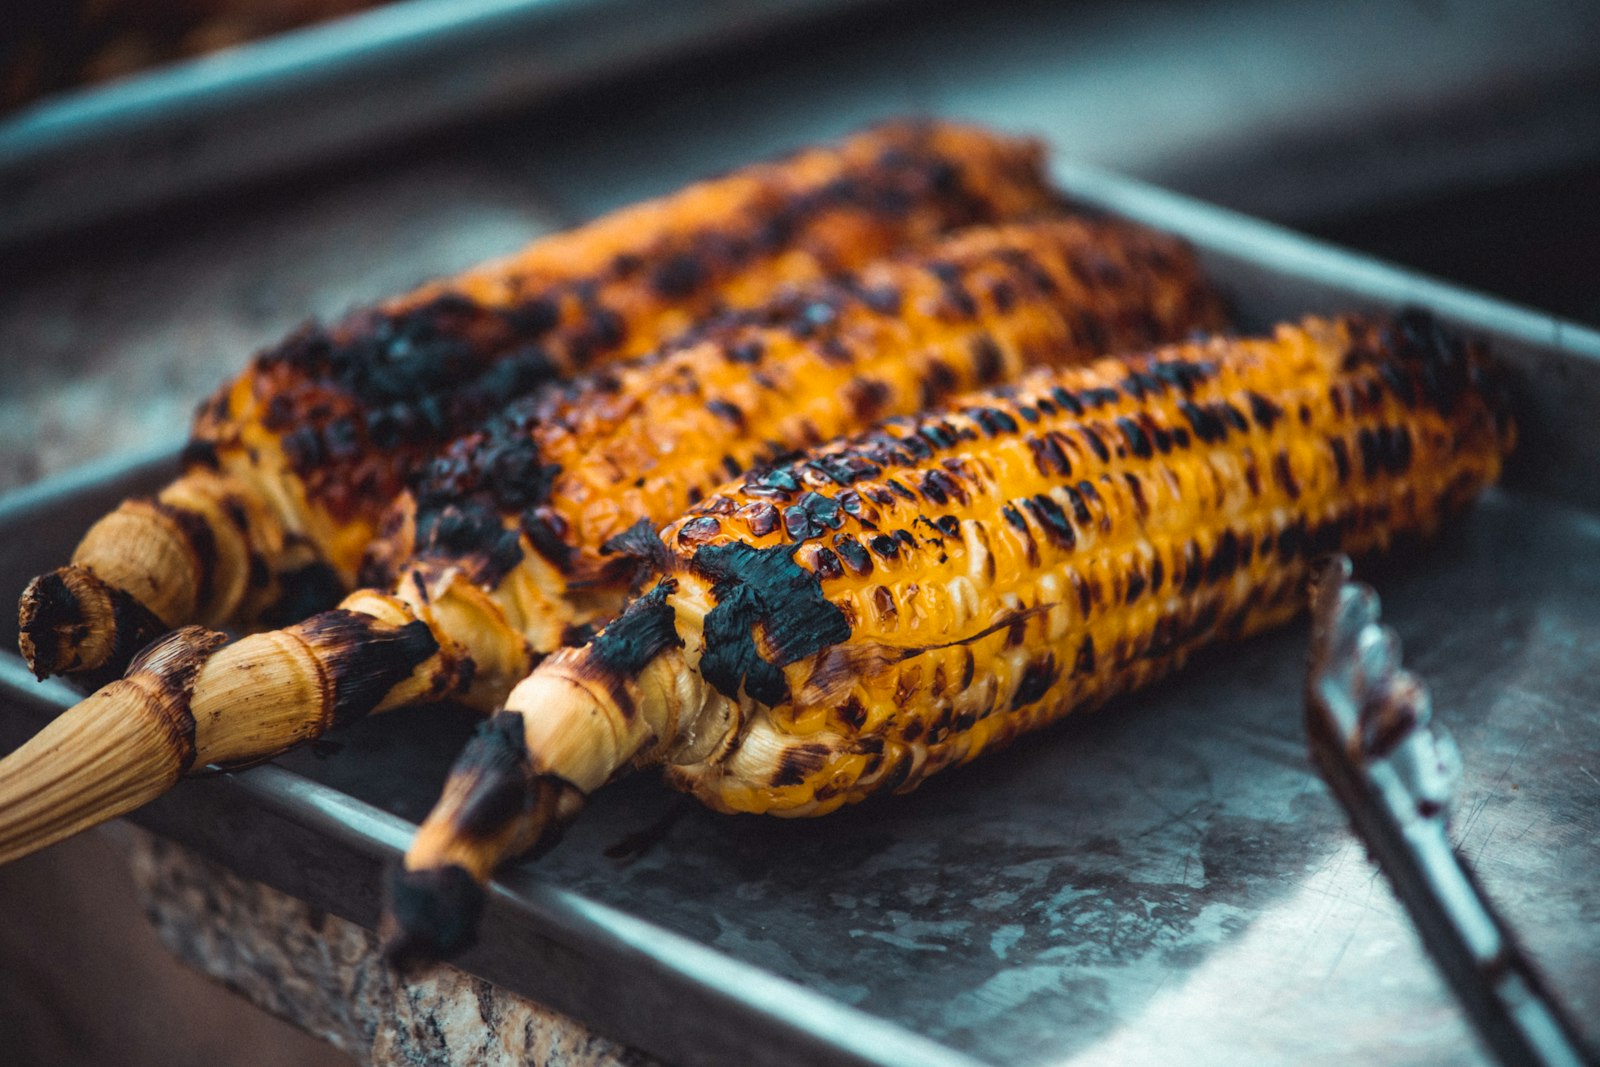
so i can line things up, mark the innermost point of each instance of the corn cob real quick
(502, 556)
(292, 463)
(958, 578)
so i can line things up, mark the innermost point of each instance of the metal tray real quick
(1167, 878)
(334, 89)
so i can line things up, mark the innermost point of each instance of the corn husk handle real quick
(190, 701)
(567, 729)
(207, 549)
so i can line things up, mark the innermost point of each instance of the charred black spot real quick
(495, 761)
(773, 482)
(1136, 585)
(1399, 383)
(302, 593)
(1138, 441)
(364, 657)
(1048, 514)
(761, 517)
(1158, 574)
(1291, 541)
(852, 713)
(1265, 412)
(1224, 557)
(547, 531)
(1285, 475)
(1037, 678)
(1083, 663)
(811, 516)
(867, 398)
(938, 434)
(937, 382)
(1004, 295)
(1341, 458)
(935, 487)
(765, 589)
(1207, 426)
(470, 531)
(1083, 591)
(1441, 356)
(827, 565)
(948, 525)
(1068, 401)
(883, 299)
(534, 318)
(1079, 502)
(678, 277)
(647, 628)
(853, 555)
(993, 420)
(1139, 385)
(844, 467)
(884, 546)
(1136, 490)
(732, 414)
(988, 362)
(1096, 444)
(199, 453)
(640, 543)
(746, 352)
(698, 530)
(1398, 450)
(1014, 518)
(1193, 567)
(798, 763)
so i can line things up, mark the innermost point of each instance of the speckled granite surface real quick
(324, 975)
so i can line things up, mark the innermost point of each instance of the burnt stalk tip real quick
(49, 616)
(429, 916)
(71, 621)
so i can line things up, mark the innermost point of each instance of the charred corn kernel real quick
(532, 505)
(503, 555)
(859, 619)
(292, 463)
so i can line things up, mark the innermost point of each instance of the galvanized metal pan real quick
(1165, 879)
(333, 89)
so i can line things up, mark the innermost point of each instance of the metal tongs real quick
(1368, 722)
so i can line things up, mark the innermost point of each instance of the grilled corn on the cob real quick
(853, 622)
(503, 555)
(292, 463)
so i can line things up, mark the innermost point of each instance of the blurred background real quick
(182, 181)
